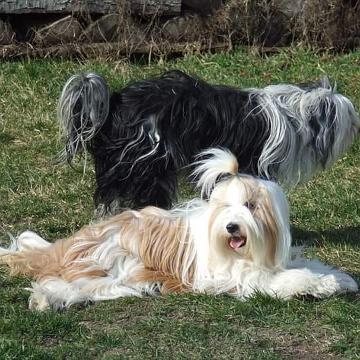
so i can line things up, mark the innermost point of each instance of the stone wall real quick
(63, 27)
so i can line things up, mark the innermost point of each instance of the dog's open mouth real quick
(236, 242)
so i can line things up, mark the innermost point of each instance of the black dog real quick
(142, 135)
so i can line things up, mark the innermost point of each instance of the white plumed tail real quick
(217, 162)
(82, 110)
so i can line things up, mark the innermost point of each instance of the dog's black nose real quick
(232, 227)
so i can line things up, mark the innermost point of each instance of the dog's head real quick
(248, 216)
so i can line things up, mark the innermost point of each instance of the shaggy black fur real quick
(142, 135)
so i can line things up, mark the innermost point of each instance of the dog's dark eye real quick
(250, 205)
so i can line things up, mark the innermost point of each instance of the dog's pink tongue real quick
(237, 242)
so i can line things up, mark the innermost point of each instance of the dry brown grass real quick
(319, 24)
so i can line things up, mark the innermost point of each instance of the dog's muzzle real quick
(236, 240)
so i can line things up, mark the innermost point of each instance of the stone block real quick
(65, 30)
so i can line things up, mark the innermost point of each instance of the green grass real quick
(54, 200)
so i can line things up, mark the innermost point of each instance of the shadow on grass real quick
(348, 235)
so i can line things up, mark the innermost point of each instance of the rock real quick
(7, 35)
(104, 29)
(290, 8)
(65, 30)
(182, 27)
(202, 7)
(114, 28)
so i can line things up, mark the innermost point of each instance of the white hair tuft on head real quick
(215, 162)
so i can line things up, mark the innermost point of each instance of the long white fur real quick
(93, 93)
(217, 267)
(288, 110)
(217, 162)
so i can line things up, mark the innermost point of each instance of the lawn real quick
(54, 200)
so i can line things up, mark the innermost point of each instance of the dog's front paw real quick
(346, 283)
(304, 282)
(38, 301)
(336, 283)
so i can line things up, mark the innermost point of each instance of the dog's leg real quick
(109, 288)
(55, 293)
(121, 282)
(39, 301)
(153, 188)
(146, 186)
(310, 277)
(158, 191)
(29, 240)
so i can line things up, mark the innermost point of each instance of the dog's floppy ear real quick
(214, 165)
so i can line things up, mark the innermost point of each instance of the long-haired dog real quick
(142, 135)
(236, 242)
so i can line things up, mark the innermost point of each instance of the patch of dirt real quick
(314, 345)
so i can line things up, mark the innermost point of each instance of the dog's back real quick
(143, 135)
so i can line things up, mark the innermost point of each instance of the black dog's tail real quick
(83, 109)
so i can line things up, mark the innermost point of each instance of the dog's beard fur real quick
(237, 242)
(141, 136)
